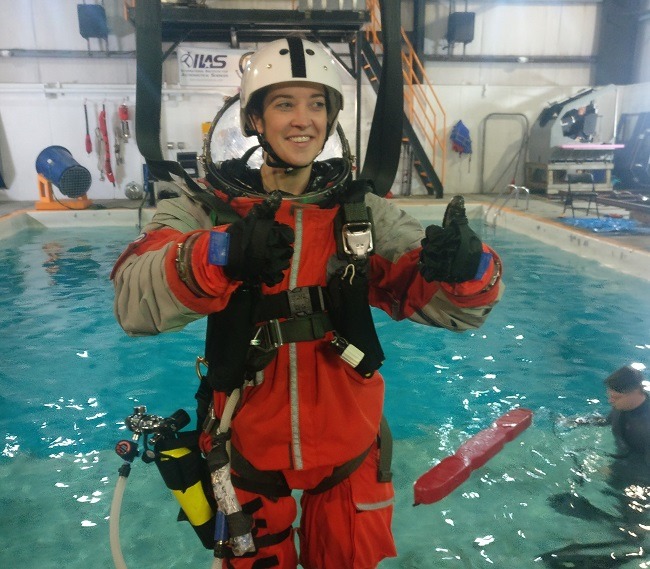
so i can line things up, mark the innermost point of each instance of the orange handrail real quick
(421, 103)
(127, 4)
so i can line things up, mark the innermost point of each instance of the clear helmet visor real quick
(225, 141)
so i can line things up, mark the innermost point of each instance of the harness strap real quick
(269, 483)
(274, 333)
(286, 304)
(385, 452)
(271, 538)
(340, 474)
(353, 226)
(273, 485)
(261, 542)
(356, 211)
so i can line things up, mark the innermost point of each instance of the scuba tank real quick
(180, 463)
(185, 473)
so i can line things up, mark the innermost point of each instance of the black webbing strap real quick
(385, 139)
(148, 44)
(340, 474)
(148, 106)
(355, 212)
(385, 452)
(269, 483)
(271, 539)
(288, 303)
(274, 334)
(272, 484)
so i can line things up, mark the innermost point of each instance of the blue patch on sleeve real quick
(483, 265)
(218, 248)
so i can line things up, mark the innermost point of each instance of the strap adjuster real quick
(273, 334)
(357, 239)
(300, 301)
(268, 336)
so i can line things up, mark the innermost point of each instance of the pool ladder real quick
(512, 191)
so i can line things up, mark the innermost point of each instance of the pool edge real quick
(609, 252)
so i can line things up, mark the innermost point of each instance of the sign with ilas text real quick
(210, 67)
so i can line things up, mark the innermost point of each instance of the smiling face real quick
(294, 121)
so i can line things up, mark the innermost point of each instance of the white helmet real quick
(290, 59)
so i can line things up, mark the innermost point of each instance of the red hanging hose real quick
(89, 142)
(107, 148)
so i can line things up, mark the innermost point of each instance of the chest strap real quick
(300, 301)
(275, 333)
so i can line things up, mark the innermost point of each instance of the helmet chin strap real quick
(272, 159)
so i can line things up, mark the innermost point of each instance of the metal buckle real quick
(268, 336)
(200, 361)
(357, 239)
(210, 421)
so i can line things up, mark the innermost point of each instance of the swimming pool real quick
(69, 376)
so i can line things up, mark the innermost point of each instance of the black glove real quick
(260, 247)
(451, 253)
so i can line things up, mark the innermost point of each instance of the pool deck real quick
(538, 218)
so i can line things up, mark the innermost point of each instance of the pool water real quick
(69, 376)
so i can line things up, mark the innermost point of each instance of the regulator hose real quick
(114, 523)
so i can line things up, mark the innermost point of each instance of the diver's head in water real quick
(625, 390)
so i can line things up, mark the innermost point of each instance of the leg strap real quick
(385, 452)
(268, 483)
(272, 484)
(340, 474)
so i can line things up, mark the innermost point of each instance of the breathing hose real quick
(228, 410)
(114, 523)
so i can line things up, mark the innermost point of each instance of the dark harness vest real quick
(243, 338)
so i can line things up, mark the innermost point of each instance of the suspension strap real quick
(353, 226)
(148, 106)
(148, 41)
(385, 138)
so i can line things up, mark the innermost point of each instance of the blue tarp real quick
(607, 225)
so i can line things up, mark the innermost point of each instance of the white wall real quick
(41, 98)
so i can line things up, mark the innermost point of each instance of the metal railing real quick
(293, 4)
(513, 191)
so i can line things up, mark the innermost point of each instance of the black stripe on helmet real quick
(297, 55)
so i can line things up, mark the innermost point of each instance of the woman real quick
(307, 267)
